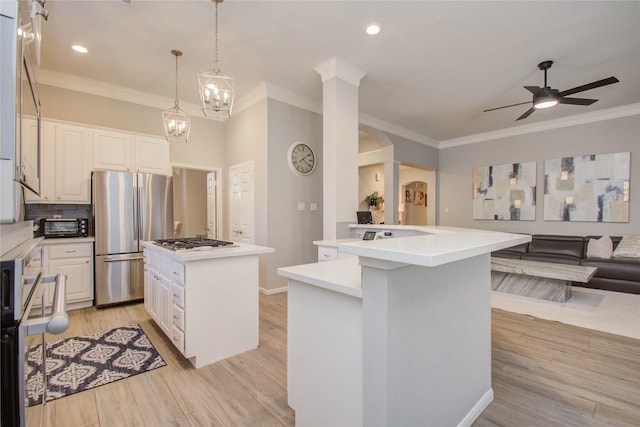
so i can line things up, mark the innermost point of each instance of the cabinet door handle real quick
(72, 251)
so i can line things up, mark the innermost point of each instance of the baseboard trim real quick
(274, 291)
(477, 409)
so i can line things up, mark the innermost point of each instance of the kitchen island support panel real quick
(324, 356)
(427, 342)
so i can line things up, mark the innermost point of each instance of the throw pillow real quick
(629, 247)
(600, 248)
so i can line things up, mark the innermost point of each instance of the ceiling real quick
(431, 71)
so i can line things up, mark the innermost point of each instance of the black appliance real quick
(26, 315)
(187, 243)
(364, 217)
(64, 227)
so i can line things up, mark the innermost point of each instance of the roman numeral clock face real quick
(301, 158)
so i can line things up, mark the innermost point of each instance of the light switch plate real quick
(300, 206)
(313, 206)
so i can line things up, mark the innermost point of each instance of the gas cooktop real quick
(187, 243)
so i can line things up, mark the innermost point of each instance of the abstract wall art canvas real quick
(505, 192)
(587, 188)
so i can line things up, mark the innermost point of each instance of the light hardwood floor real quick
(544, 374)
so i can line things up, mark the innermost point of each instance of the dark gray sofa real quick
(614, 274)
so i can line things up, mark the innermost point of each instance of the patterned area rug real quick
(89, 361)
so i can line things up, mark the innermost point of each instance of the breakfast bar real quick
(399, 335)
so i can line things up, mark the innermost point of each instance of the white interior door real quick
(242, 204)
(212, 231)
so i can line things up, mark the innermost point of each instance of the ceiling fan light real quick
(545, 102)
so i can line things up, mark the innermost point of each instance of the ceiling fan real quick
(545, 97)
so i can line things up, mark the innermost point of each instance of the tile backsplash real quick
(34, 211)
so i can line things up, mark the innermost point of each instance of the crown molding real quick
(578, 119)
(396, 130)
(106, 90)
(336, 67)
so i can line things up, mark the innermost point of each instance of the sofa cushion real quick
(556, 258)
(570, 246)
(600, 248)
(629, 247)
(512, 252)
(615, 268)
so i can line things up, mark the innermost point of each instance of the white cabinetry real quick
(213, 299)
(165, 295)
(127, 152)
(73, 164)
(76, 261)
(66, 165)
(330, 253)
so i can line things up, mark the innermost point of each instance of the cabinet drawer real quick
(73, 250)
(178, 317)
(177, 338)
(178, 295)
(327, 254)
(177, 273)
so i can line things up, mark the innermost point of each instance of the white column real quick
(391, 192)
(340, 146)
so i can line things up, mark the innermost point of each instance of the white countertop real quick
(210, 253)
(68, 240)
(448, 245)
(333, 243)
(341, 275)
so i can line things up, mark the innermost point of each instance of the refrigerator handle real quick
(136, 209)
(140, 210)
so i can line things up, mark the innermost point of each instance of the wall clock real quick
(301, 158)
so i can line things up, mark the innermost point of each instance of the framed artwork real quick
(419, 198)
(591, 188)
(408, 195)
(505, 192)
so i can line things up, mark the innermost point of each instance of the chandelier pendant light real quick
(177, 123)
(216, 87)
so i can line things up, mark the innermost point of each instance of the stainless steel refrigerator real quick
(127, 209)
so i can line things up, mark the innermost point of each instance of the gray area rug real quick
(89, 361)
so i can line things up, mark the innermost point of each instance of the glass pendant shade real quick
(215, 87)
(216, 93)
(177, 123)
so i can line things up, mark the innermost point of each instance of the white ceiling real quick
(432, 70)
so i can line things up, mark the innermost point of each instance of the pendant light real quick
(177, 123)
(216, 87)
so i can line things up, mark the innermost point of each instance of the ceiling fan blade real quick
(506, 106)
(577, 101)
(589, 86)
(526, 114)
(537, 91)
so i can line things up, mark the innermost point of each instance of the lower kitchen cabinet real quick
(76, 261)
(206, 302)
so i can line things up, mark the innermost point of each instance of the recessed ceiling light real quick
(79, 49)
(373, 29)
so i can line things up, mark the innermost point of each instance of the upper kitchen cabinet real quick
(121, 151)
(66, 165)
(73, 164)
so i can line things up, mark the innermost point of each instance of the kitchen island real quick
(205, 300)
(400, 335)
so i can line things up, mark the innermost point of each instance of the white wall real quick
(611, 136)
(367, 184)
(290, 231)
